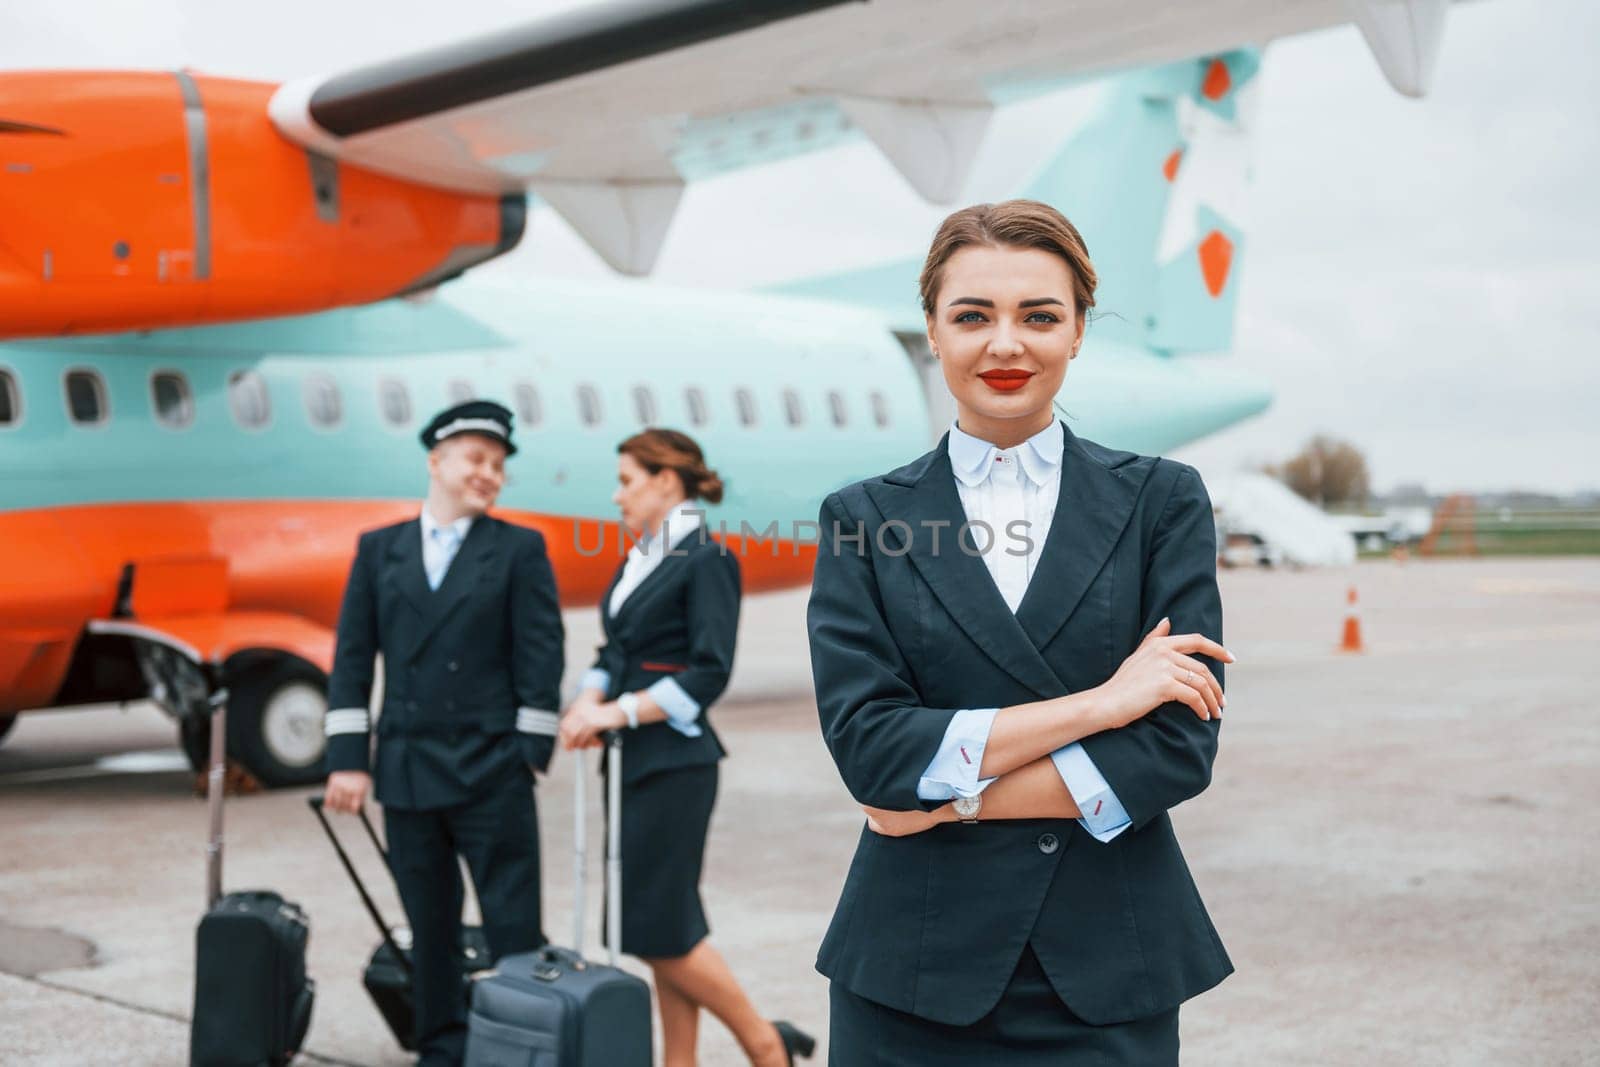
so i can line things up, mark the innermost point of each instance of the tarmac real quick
(1399, 848)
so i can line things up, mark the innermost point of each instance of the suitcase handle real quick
(315, 804)
(613, 739)
(216, 784)
(614, 847)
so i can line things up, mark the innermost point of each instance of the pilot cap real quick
(482, 417)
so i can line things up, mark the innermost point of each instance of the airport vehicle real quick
(204, 397)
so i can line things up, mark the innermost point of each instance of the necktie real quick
(445, 539)
(1008, 562)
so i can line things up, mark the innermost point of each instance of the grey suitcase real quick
(552, 1007)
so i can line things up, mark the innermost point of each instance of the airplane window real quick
(794, 411)
(880, 408)
(644, 405)
(323, 403)
(529, 410)
(249, 400)
(588, 405)
(745, 401)
(836, 408)
(174, 404)
(695, 399)
(10, 400)
(394, 400)
(86, 397)
(461, 391)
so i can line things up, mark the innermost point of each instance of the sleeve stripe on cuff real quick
(347, 721)
(535, 721)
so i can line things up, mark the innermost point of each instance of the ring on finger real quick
(1188, 678)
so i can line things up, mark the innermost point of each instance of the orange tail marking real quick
(1216, 259)
(1218, 81)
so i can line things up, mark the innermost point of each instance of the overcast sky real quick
(1420, 278)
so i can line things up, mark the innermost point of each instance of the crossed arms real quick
(1150, 730)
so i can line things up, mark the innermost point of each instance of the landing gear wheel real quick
(275, 722)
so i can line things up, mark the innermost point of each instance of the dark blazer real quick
(681, 622)
(902, 637)
(459, 662)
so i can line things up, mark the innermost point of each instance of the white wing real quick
(607, 110)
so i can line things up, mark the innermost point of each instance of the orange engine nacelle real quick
(140, 200)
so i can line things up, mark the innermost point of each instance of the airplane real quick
(193, 433)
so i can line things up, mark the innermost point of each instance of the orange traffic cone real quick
(1352, 625)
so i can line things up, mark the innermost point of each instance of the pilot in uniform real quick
(463, 608)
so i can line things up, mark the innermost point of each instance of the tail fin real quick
(1156, 182)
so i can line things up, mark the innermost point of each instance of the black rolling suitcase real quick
(252, 999)
(553, 1008)
(388, 974)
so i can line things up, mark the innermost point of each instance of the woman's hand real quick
(904, 823)
(585, 720)
(1163, 669)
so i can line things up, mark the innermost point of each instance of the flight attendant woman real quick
(670, 618)
(1014, 644)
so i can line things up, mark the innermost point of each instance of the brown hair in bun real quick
(656, 449)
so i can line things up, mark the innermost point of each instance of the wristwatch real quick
(629, 704)
(967, 808)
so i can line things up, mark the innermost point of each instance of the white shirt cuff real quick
(1102, 814)
(595, 678)
(954, 770)
(681, 708)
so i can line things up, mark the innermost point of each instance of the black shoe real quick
(796, 1042)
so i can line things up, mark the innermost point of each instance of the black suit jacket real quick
(681, 622)
(902, 637)
(460, 662)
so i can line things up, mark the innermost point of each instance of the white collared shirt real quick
(1001, 487)
(680, 524)
(651, 549)
(440, 543)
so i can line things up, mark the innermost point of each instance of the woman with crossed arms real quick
(1014, 640)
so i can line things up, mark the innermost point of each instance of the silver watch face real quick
(967, 807)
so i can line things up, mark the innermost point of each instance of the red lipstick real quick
(1006, 381)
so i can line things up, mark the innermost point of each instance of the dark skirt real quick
(664, 822)
(1030, 1027)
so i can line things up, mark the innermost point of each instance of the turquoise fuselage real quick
(486, 339)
